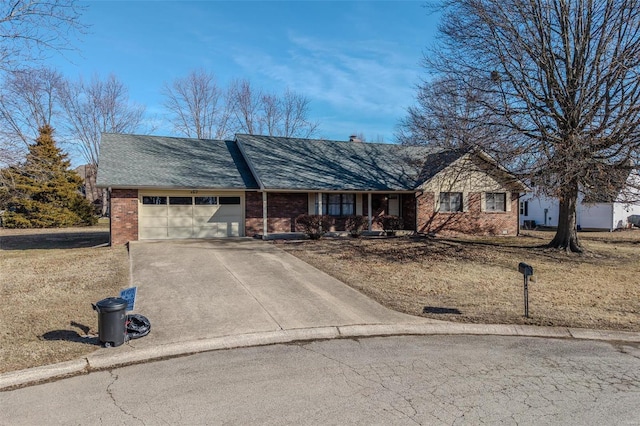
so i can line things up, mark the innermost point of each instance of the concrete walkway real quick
(204, 295)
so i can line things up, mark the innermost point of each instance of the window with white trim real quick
(206, 201)
(228, 200)
(180, 201)
(496, 202)
(337, 204)
(524, 208)
(450, 202)
(154, 200)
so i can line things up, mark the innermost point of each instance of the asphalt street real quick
(434, 380)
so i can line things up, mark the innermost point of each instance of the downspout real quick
(369, 209)
(518, 210)
(416, 196)
(265, 219)
(111, 219)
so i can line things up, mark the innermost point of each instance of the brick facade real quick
(252, 213)
(124, 216)
(473, 221)
(408, 209)
(282, 210)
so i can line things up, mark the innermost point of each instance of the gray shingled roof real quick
(308, 164)
(135, 161)
(278, 163)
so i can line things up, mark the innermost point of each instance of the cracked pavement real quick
(424, 380)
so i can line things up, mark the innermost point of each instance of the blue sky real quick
(357, 61)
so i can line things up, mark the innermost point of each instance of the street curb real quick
(115, 357)
(44, 373)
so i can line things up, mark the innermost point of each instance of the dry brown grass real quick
(478, 277)
(48, 280)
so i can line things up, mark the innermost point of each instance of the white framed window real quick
(154, 200)
(450, 202)
(496, 202)
(524, 208)
(180, 201)
(206, 201)
(337, 204)
(228, 200)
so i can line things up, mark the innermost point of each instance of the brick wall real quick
(124, 216)
(473, 221)
(409, 211)
(253, 213)
(282, 210)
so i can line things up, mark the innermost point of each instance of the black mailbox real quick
(526, 270)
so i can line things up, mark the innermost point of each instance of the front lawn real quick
(477, 280)
(48, 280)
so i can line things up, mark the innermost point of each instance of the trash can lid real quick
(111, 304)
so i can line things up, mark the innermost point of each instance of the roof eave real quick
(176, 187)
(374, 191)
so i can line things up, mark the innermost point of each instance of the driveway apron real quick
(196, 289)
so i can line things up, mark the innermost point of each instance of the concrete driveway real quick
(209, 295)
(199, 289)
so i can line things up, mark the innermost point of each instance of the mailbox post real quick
(526, 271)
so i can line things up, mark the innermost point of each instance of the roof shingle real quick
(312, 164)
(135, 161)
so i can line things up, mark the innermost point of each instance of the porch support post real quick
(265, 222)
(319, 195)
(369, 209)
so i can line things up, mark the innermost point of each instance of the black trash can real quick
(112, 327)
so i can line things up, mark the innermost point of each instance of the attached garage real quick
(190, 214)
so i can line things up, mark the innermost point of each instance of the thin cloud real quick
(367, 75)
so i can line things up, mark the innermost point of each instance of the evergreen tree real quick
(45, 192)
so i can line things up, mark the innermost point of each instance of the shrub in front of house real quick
(315, 226)
(390, 224)
(355, 225)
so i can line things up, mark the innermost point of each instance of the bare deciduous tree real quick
(195, 107)
(257, 112)
(245, 104)
(272, 115)
(199, 108)
(31, 30)
(29, 99)
(295, 116)
(564, 75)
(99, 106)
(450, 115)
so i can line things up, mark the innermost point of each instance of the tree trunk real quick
(105, 203)
(566, 237)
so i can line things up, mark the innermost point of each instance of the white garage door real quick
(190, 216)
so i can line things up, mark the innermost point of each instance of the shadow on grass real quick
(58, 240)
(440, 310)
(72, 335)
